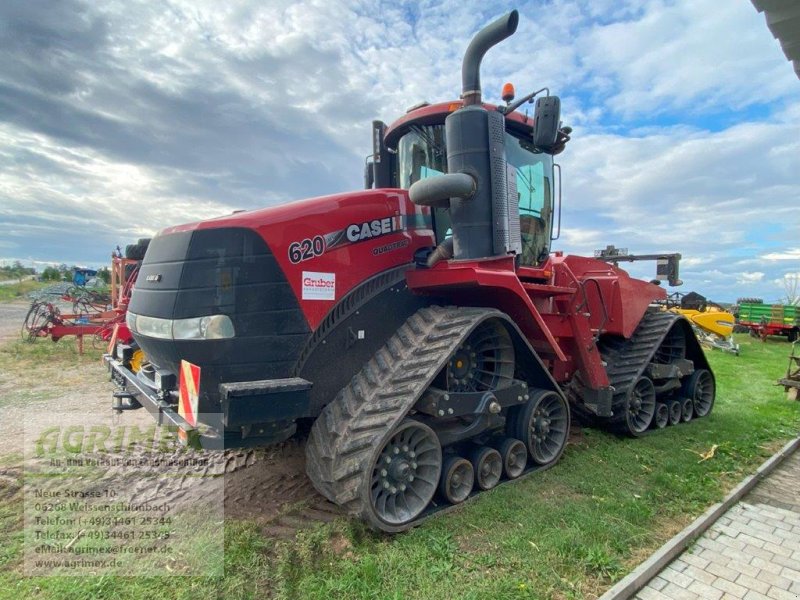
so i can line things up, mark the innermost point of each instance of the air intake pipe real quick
(476, 187)
(492, 34)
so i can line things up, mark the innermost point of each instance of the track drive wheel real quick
(543, 425)
(515, 457)
(488, 467)
(457, 479)
(675, 412)
(661, 418)
(687, 410)
(640, 407)
(405, 474)
(700, 388)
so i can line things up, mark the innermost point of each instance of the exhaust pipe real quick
(492, 34)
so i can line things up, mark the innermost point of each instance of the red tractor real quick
(421, 329)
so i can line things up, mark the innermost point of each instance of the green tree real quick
(105, 275)
(51, 274)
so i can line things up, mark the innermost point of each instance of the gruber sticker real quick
(319, 286)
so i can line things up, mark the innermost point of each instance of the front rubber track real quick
(362, 417)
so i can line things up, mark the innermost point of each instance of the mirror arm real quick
(529, 98)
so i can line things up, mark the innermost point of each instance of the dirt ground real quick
(267, 485)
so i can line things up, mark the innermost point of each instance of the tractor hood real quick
(240, 295)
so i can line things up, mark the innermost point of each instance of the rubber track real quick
(627, 359)
(366, 411)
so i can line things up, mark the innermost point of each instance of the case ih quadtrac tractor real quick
(421, 328)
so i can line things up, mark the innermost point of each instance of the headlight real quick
(212, 327)
(154, 327)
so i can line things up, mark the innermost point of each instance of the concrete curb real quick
(641, 575)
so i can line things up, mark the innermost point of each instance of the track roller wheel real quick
(457, 480)
(640, 406)
(515, 457)
(700, 388)
(675, 412)
(543, 425)
(661, 418)
(405, 473)
(687, 410)
(488, 467)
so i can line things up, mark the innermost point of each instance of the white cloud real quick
(789, 254)
(689, 55)
(749, 277)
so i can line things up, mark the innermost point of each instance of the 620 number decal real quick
(306, 249)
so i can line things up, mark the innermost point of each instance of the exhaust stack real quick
(477, 189)
(492, 34)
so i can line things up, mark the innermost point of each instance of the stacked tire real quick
(137, 251)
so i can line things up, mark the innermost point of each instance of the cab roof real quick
(435, 114)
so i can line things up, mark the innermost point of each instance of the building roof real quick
(783, 20)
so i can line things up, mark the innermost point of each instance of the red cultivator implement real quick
(96, 314)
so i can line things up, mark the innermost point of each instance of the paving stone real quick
(779, 594)
(770, 538)
(658, 583)
(730, 588)
(759, 525)
(676, 577)
(753, 584)
(715, 557)
(784, 561)
(676, 592)
(739, 556)
(705, 591)
(766, 565)
(723, 571)
(695, 560)
(648, 593)
(791, 574)
(678, 564)
(778, 548)
(742, 568)
(753, 595)
(750, 540)
(699, 575)
(730, 542)
(774, 580)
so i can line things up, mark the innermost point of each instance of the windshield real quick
(421, 153)
(535, 192)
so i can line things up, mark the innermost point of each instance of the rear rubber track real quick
(627, 360)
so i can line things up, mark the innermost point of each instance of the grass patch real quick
(569, 532)
(42, 370)
(15, 291)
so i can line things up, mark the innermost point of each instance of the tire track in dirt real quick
(268, 485)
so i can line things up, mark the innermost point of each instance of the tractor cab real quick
(414, 148)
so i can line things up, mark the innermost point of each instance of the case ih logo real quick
(319, 286)
(154, 278)
(371, 229)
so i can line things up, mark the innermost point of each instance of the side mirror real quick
(546, 118)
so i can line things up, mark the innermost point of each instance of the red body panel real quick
(562, 307)
(344, 262)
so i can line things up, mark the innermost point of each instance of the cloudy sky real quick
(120, 118)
